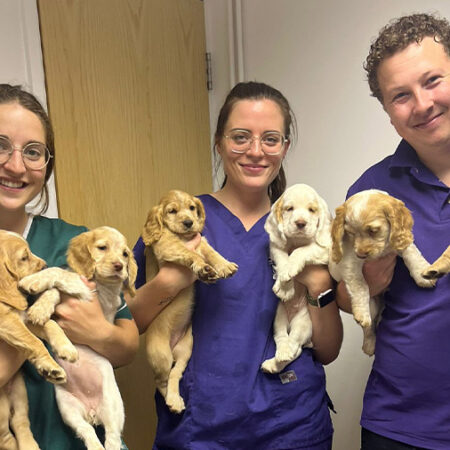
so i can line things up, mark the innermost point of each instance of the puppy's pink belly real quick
(84, 380)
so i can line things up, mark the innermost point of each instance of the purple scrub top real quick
(230, 402)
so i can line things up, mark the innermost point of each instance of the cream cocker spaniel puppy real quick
(369, 225)
(299, 231)
(175, 220)
(91, 395)
(16, 262)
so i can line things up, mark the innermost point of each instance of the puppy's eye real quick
(172, 211)
(192, 208)
(373, 231)
(25, 258)
(290, 208)
(312, 209)
(102, 247)
(125, 254)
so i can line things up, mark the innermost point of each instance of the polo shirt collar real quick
(406, 157)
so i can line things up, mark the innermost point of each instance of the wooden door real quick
(126, 88)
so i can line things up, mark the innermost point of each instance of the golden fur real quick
(440, 267)
(176, 219)
(16, 262)
(369, 225)
(101, 255)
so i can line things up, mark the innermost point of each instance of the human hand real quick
(82, 321)
(316, 278)
(378, 273)
(178, 276)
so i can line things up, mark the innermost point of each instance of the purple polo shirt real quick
(407, 396)
(230, 402)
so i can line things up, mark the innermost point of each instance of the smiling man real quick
(407, 398)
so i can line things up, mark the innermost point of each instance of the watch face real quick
(326, 297)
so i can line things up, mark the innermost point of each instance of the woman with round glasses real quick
(26, 161)
(230, 402)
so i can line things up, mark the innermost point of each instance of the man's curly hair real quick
(399, 34)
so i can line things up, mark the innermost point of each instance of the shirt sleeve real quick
(139, 255)
(123, 312)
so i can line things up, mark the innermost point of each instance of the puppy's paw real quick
(426, 282)
(207, 274)
(67, 352)
(284, 353)
(226, 270)
(362, 317)
(432, 273)
(270, 366)
(368, 346)
(51, 371)
(284, 291)
(40, 312)
(33, 284)
(175, 403)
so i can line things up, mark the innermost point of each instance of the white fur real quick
(299, 231)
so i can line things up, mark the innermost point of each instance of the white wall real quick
(313, 52)
(21, 56)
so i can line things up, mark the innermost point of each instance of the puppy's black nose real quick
(300, 224)
(187, 223)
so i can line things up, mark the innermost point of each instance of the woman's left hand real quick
(82, 321)
(316, 278)
(327, 330)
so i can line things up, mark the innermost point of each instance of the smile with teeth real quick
(12, 184)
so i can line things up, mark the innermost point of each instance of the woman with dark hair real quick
(26, 160)
(230, 402)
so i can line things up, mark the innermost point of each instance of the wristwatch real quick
(322, 299)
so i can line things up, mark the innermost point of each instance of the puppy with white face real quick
(369, 225)
(299, 231)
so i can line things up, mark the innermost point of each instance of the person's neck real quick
(248, 206)
(438, 161)
(14, 221)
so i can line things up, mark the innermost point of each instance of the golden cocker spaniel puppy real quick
(91, 395)
(16, 262)
(369, 225)
(175, 220)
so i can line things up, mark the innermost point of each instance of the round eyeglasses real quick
(35, 155)
(271, 142)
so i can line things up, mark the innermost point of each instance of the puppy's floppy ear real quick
(401, 222)
(200, 211)
(132, 273)
(153, 226)
(337, 234)
(274, 223)
(9, 292)
(79, 257)
(323, 236)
